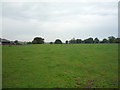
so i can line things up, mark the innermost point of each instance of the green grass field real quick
(60, 66)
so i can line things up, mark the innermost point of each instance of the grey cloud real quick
(44, 11)
(64, 20)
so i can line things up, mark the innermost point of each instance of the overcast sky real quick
(55, 19)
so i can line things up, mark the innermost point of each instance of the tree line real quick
(111, 39)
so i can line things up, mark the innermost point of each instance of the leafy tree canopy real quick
(38, 40)
(96, 40)
(111, 39)
(58, 41)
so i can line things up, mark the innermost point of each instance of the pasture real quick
(60, 66)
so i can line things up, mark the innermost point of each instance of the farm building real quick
(8, 42)
(4, 41)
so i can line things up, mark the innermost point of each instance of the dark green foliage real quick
(78, 41)
(117, 40)
(38, 40)
(89, 40)
(16, 41)
(104, 41)
(58, 41)
(96, 40)
(111, 39)
(66, 42)
(29, 42)
(51, 42)
(72, 41)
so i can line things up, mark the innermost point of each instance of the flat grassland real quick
(60, 66)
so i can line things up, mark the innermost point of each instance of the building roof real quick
(4, 40)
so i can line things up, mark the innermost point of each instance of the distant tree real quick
(78, 41)
(89, 40)
(86, 41)
(83, 41)
(66, 41)
(51, 42)
(58, 41)
(29, 42)
(96, 40)
(104, 41)
(16, 41)
(117, 40)
(111, 39)
(38, 40)
(72, 41)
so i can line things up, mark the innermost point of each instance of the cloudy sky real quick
(63, 19)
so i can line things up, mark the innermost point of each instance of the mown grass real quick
(60, 66)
